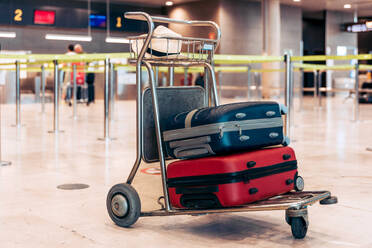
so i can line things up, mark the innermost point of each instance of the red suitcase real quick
(224, 181)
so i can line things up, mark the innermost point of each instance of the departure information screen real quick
(45, 17)
(77, 16)
(97, 21)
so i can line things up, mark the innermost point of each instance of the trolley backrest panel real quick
(172, 101)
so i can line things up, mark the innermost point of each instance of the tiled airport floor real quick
(34, 213)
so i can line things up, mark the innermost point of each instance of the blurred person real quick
(200, 80)
(66, 93)
(80, 74)
(189, 80)
(89, 77)
(90, 81)
(78, 49)
(70, 49)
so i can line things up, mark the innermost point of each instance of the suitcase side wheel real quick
(123, 205)
(299, 184)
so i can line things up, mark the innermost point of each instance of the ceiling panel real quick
(153, 3)
(363, 7)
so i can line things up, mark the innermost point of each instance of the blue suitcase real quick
(225, 129)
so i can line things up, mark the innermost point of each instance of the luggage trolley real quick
(123, 202)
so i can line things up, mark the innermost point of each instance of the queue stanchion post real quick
(255, 84)
(74, 91)
(219, 75)
(43, 78)
(106, 102)
(56, 101)
(318, 87)
(18, 94)
(163, 79)
(157, 75)
(2, 162)
(315, 72)
(249, 83)
(287, 93)
(356, 100)
(185, 76)
(291, 98)
(206, 86)
(171, 76)
(112, 91)
(61, 75)
(301, 90)
(258, 80)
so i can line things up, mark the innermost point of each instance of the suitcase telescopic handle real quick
(142, 16)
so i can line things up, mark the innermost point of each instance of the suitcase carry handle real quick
(193, 151)
(198, 190)
(200, 201)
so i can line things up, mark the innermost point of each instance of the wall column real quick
(271, 46)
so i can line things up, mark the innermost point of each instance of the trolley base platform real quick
(291, 200)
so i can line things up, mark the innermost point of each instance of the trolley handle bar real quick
(142, 16)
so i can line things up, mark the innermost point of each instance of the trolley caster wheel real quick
(299, 184)
(298, 227)
(298, 220)
(329, 200)
(123, 205)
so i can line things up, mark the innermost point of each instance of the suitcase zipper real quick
(235, 177)
(220, 128)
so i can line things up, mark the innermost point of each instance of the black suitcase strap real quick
(235, 177)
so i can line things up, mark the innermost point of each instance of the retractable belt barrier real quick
(222, 63)
(317, 69)
(218, 58)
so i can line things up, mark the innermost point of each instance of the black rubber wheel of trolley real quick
(123, 205)
(298, 227)
(328, 201)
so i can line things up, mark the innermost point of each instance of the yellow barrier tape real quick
(225, 69)
(87, 70)
(66, 69)
(218, 58)
(324, 67)
(64, 57)
(333, 67)
(365, 67)
(245, 59)
(127, 67)
(29, 63)
(29, 69)
(333, 57)
(268, 70)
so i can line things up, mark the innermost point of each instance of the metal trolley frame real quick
(123, 203)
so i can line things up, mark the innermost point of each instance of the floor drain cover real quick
(73, 186)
